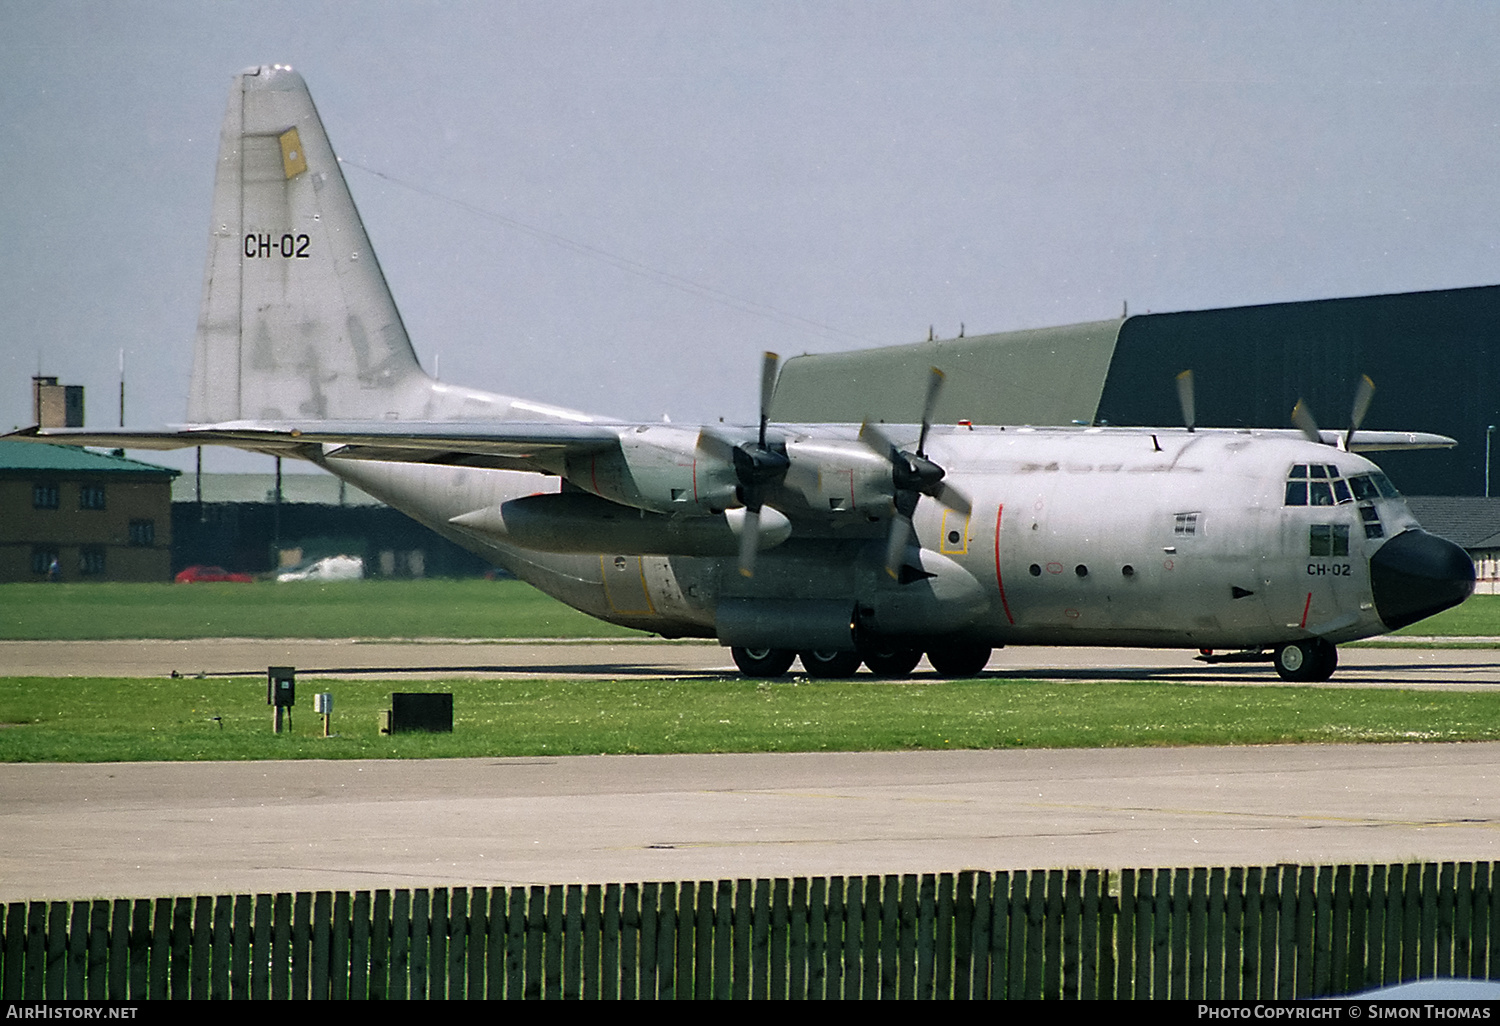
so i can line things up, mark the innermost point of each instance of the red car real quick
(201, 574)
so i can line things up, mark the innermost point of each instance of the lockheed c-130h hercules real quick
(844, 544)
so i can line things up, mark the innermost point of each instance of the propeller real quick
(913, 475)
(1362, 396)
(758, 467)
(1302, 417)
(1302, 414)
(1185, 399)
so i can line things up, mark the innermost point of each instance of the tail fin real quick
(297, 322)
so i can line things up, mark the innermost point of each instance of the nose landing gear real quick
(1306, 661)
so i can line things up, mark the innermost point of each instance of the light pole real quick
(1489, 433)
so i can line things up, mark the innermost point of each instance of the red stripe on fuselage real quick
(999, 583)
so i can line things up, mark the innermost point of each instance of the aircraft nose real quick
(1416, 574)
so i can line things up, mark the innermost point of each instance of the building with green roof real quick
(69, 514)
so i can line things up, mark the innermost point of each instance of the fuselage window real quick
(1186, 524)
(1328, 540)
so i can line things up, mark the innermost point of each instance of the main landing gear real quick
(953, 660)
(886, 660)
(763, 662)
(1310, 660)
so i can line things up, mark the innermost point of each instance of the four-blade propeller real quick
(758, 467)
(913, 475)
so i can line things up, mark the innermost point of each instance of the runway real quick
(435, 659)
(69, 831)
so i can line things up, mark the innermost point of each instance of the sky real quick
(617, 206)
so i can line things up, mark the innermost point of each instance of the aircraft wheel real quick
(1311, 660)
(763, 662)
(891, 660)
(830, 665)
(959, 660)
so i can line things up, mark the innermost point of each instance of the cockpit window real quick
(1322, 484)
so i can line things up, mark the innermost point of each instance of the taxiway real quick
(1373, 666)
(144, 829)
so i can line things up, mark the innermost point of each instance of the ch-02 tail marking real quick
(867, 544)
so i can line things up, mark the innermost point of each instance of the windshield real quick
(1323, 484)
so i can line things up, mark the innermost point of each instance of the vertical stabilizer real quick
(297, 322)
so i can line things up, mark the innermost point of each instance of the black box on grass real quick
(431, 711)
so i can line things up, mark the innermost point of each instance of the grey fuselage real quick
(1076, 536)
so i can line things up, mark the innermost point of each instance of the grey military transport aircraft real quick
(843, 545)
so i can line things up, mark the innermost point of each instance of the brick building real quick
(74, 515)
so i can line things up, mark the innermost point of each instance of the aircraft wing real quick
(1389, 441)
(1364, 441)
(536, 446)
(532, 446)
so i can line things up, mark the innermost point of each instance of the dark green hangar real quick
(1434, 357)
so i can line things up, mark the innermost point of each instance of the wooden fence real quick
(1258, 932)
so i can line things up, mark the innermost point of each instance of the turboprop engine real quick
(575, 521)
(659, 468)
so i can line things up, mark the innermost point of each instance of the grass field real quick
(95, 720)
(338, 609)
(98, 720)
(379, 609)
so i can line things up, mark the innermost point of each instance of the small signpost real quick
(281, 694)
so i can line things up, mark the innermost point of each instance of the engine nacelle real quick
(579, 522)
(660, 468)
(829, 476)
